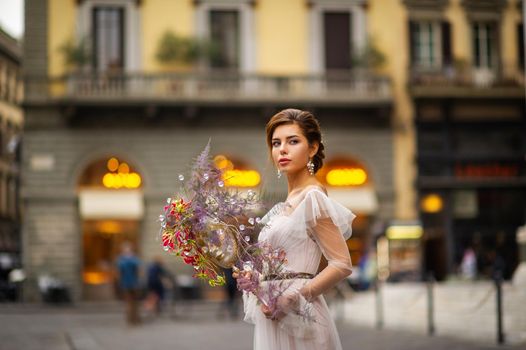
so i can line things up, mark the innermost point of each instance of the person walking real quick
(128, 266)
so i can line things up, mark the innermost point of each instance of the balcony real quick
(345, 89)
(467, 82)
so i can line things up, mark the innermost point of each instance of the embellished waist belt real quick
(288, 276)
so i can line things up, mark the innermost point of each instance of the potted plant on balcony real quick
(76, 54)
(369, 58)
(181, 54)
(365, 62)
(176, 52)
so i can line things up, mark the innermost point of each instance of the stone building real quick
(119, 112)
(11, 124)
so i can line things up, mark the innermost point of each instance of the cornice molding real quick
(426, 5)
(484, 5)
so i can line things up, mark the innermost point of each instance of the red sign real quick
(486, 170)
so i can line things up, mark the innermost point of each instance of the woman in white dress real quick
(306, 225)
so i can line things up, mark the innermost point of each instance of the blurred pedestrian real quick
(468, 266)
(157, 278)
(128, 266)
(230, 304)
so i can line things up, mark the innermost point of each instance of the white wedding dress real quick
(307, 226)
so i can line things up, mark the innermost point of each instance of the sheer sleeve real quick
(329, 224)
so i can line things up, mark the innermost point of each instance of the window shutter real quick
(447, 56)
(412, 42)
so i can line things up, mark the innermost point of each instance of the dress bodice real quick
(292, 226)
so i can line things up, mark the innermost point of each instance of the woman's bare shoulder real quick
(316, 185)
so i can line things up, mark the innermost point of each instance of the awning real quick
(111, 204)
(359, 200)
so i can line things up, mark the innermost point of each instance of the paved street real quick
(99, 326)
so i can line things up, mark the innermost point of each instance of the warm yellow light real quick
(346, 177)
(124, 168)
(404, 232)
(93, 277)
(108, 180)
(241, 178)
(113, 164)
(223, 163)
(117, 181)
(109, 227)
(432, 203)
(134, 180)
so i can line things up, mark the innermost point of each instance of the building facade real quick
(459, 83)
(11, 125)
(122, 94)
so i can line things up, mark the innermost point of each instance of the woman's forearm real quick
(329, 277)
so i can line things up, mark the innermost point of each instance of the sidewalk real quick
(464, 310)
(100, 326)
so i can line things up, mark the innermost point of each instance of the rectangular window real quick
(108, 38)
(225, 36)
(485, 44)
(337, 34)
(426, 39)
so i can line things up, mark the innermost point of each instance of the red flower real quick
(190, 260)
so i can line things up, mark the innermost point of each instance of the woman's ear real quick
(313, 149)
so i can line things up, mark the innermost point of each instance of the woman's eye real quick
(293, 142)
(275, 144)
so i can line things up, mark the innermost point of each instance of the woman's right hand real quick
(244, 278)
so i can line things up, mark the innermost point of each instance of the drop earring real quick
(310, 167)
(279, 174)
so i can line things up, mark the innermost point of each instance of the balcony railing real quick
(466, 78)
(344, 87)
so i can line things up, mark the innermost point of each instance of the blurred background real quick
(104, 103)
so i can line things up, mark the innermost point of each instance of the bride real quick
(306, 225)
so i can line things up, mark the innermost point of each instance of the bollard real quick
(500, 332)
(498, 286)
(430, 304)
(379, 306)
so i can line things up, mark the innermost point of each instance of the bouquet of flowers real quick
(211, 227)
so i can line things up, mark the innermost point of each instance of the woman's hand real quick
(283, 305)
(244, 279)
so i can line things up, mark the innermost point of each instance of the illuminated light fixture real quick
(236, 177)
(113, 164)
(109, 227)
(223, 163)
(123, 178)
(93, 277)
(241, 178)
(346, 177)
(117, 180)
(124, 168)
(404, 232)
(108, 180)
(432, 203)
(134, 180)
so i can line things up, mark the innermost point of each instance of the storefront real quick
(472, 182)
